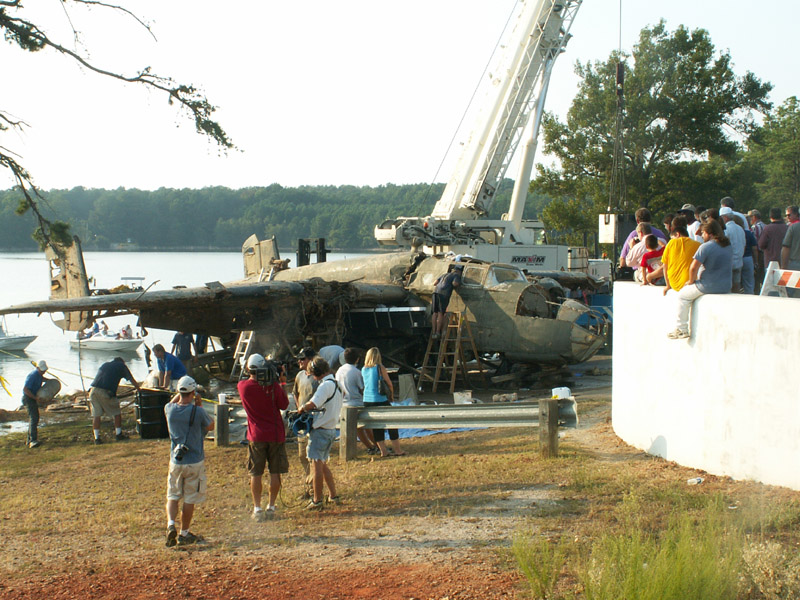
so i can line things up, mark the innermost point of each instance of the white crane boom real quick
(536, 40)
(517, 90)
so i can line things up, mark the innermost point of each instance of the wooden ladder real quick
(448, 353)
(242, 349)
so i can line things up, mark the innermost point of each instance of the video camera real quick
(266, 375)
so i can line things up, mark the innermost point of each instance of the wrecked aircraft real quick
(381, 301)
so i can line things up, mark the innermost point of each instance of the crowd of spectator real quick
(710, 251)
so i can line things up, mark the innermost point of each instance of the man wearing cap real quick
(33, 383)
(170, 369)
(103, 395)
(735, 234)
(263, 403)
(188, 424)
(443, 289)
(692, 223)
(304, 387)
(727, 201)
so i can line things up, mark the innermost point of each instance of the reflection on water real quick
(25, 279)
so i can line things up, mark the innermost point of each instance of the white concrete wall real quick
(726, 400)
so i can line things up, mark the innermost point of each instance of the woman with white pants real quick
(715, 256)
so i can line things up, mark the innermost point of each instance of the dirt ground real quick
(439, 557)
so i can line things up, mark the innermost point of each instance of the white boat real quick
(9, 341)
(106, 342)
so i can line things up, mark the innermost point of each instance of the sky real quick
(353, 92)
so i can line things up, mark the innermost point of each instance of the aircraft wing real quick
(218, 309)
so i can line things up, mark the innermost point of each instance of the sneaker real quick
(337, 500)
(35, 444)
(172, 536)
(259, 516)
(373, 451)
(315, 505)
(97, 441)
(678, 334)
(270, 512)
(120, 436)
(189, 538)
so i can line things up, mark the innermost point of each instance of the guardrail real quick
(546, 414)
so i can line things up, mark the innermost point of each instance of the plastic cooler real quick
(151, 423)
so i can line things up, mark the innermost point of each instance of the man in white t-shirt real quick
(328, 400)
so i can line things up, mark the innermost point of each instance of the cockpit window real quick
(472, 276)
(498, 275)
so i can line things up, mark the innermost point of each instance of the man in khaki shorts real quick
(187, 423)
(103, 395)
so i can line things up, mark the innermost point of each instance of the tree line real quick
(222, 218)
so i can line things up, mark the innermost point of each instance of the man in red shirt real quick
(263, 400)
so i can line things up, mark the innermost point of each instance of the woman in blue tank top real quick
(373, 372)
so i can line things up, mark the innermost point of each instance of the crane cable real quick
(617, 195)
(469, 104)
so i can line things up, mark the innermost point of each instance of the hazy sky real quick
(361, 92)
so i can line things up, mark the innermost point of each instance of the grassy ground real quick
(70, 502)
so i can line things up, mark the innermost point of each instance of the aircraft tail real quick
(68, 280)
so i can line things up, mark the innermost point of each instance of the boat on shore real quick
(10, 341)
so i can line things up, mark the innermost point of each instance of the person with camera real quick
(263, 400)
(187, 423)
(326, 405)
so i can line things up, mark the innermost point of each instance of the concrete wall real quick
(726, 400)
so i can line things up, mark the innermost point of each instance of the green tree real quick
(20, 30)
(683, 106)
(775, 148)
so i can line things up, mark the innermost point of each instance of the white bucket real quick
(561, 392)
(223, 398)
(462, 397)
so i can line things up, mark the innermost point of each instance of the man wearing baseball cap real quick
(304, 387)
(263, 400)
(33, 383)
(187, 423)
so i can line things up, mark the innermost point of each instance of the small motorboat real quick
(10, 341)
(100, 341)
(104, 339)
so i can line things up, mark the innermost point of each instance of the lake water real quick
(24, 277)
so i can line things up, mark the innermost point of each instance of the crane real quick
(511, 113)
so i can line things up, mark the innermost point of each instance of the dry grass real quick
(72, 501)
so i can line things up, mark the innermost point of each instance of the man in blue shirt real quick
(33, 383)
(441, 298)
(170, 369)
(187, 423)
(182, 348)
(103, 395)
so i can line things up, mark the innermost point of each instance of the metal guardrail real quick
(547, 415)
(516, 414)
